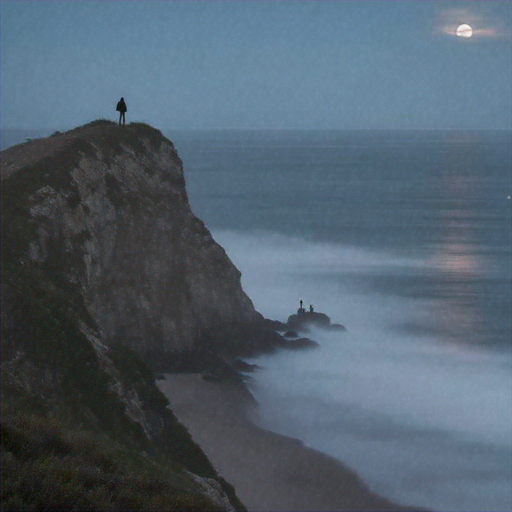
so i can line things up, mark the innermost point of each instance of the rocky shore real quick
(270, 472)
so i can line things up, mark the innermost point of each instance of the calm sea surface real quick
(405, 238)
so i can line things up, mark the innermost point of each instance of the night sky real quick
(256, 64)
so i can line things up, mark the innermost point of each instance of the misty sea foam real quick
(404, 237)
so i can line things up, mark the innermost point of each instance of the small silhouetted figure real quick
(311, 310)
(121, 108)
(301, 310)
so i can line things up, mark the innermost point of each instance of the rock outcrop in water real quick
(302, 321)
(306, 319)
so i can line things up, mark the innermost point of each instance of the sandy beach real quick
(270, 472)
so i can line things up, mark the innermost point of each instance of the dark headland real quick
(109, 281)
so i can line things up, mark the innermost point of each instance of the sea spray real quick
(380, 397)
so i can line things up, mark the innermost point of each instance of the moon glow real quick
(464, 30)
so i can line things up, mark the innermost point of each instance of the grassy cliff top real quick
(63, 147)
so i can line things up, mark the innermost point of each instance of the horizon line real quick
(360, 128)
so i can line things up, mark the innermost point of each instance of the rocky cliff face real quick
(100, 252)
(104, 210)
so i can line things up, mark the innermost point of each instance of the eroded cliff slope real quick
(104, 209)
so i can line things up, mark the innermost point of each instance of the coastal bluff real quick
(106, 207)
(105, 270)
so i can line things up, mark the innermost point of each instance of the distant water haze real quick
(12, 136)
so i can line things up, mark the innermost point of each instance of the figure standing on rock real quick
(121, 108)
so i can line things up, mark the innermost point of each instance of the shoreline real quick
(269, 471)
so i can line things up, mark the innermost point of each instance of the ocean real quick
(405, 238)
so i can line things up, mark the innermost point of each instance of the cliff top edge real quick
(100, 133)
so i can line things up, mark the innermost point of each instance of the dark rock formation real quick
(275, 325)
(309, 318)
(104, 210)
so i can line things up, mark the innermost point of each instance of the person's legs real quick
(120, 117)
(123, 114)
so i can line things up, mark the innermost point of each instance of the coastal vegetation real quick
(67, 441)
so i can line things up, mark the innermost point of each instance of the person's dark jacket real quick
(121, 106)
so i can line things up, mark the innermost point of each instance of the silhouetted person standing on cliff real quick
(121, 108)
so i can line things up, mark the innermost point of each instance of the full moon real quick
(464, 30)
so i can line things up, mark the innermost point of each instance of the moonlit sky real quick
(256, 63)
